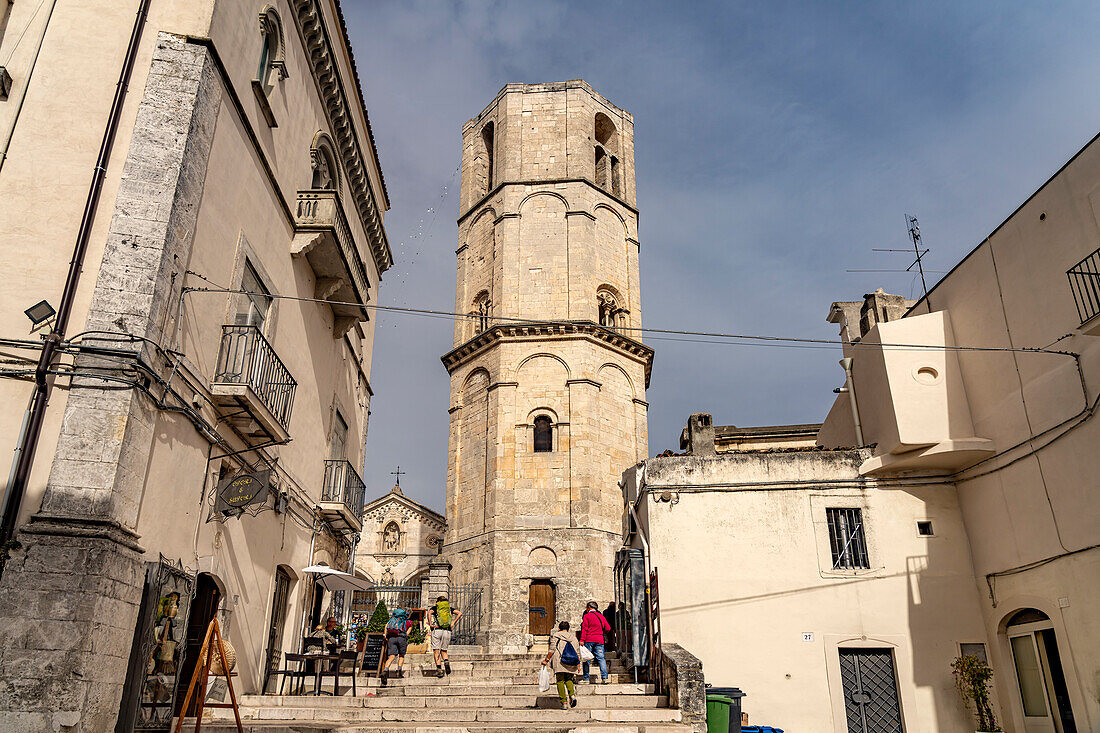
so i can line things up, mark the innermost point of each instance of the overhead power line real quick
(732, 337)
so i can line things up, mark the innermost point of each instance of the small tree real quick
(378, 619)
(972, 677)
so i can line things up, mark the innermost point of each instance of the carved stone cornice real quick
(318, 46)
(462, 353)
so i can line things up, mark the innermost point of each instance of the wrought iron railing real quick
(342, 484)
(247, 358)
(394, 596)
(1084, 281)
(465, 598)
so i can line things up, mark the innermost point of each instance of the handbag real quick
(586, 654)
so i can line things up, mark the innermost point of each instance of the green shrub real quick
(378, 619)
(972, 677)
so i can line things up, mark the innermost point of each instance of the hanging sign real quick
(242, 490)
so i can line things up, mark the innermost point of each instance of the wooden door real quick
(541, 607)
(203, 608)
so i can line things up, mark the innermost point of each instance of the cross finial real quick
(398, 473)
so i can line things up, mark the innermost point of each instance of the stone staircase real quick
(485, 693)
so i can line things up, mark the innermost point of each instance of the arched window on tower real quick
(482, 307)
(610, 314)
(606, 173)
(544, 434)
(487, 158)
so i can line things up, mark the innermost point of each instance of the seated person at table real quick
(397, 641)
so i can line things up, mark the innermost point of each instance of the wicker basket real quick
(230, 658)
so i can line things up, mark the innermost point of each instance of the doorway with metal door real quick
(1040, 681)
(870, 691)
(203, 608)
(541, 607)
(274, 655)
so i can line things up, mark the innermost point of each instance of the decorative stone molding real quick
(323, 65)
(525, 331)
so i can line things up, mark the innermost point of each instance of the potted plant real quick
(417, 640)
(972, 676)
(360, 637)
(378, 619)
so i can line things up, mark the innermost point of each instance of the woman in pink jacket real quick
(593, 627)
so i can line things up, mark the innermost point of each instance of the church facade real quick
(400, 537)
(548, 374)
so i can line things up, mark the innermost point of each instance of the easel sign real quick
(202, 672)
(374, 653)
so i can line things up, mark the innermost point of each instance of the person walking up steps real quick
(593, 628)
(564, 660)
(397, 642)
(441, 618)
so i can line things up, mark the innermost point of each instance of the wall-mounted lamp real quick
(40, 312)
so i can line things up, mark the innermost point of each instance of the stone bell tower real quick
(547, 379)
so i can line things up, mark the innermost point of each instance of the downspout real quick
(24, 460)
(850, 383)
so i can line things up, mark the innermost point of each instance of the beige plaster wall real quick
(244, 212)
(745, 572)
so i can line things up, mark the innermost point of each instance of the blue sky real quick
(776, 143)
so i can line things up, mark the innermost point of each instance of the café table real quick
(319, 659)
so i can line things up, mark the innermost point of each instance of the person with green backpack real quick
(441, 618)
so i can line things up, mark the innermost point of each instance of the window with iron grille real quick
(847, 539)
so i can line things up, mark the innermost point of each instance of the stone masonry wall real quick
(541, 243)
(68, 603)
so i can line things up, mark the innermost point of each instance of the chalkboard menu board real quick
(374, 652)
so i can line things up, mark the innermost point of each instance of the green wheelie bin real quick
(718, 713)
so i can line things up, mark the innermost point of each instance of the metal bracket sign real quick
(242, 490)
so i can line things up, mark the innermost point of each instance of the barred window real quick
(847, 539)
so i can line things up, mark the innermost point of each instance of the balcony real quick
(1084, 282)
(322, 236)
(253, 384)
(342, 497)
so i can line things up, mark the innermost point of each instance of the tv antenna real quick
(919, 251)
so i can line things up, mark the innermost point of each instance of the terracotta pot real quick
(361, 644)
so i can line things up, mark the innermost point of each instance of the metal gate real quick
(465, 598)
(394, 596)
(870, 691)
(157, 652)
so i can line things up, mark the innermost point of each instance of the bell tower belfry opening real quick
(548, 377)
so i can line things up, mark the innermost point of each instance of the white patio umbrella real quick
(331, 579)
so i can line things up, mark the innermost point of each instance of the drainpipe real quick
(13, 497)
(850, 384)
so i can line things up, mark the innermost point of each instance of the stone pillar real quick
(69, 602)
(438, 581)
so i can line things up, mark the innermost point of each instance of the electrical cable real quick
(640, 329)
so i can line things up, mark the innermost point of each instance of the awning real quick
(332, 580)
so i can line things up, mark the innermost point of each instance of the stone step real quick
(276, 726)
(514, 664)
(460, 716)
(252, 704)
(466, 678)
(426, 688)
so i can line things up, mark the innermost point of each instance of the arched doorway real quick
(1040, 681)
(203, 608)
(541, 607)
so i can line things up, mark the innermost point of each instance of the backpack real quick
(443, 614)
(569, 655)
(394, 626)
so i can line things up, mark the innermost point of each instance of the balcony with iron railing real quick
(323, 237)
(1084, 283)
(342, 496)
(253, 385)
